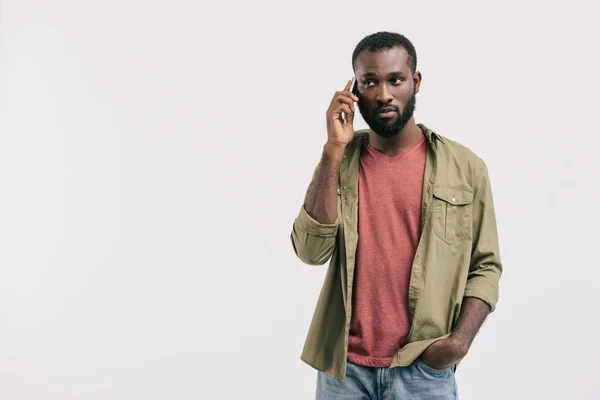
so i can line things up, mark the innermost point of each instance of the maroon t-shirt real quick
(389, 214)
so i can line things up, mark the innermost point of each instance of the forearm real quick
(321, 203)
(472, 314)
(447, 352)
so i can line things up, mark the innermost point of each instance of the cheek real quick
(405, 99)
(366, 102)
(362, 104)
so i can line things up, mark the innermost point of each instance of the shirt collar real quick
(431, 135)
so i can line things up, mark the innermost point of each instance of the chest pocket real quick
(452, 213)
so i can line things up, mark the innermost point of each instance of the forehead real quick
(383, 61)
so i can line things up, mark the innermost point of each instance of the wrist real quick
(334, 150)
(459, 344)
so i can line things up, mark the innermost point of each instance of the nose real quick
(383, 95)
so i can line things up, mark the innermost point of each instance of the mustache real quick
(386, 108)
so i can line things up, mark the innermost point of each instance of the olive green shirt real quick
(457, 255)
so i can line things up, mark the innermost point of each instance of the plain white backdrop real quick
(154, 154)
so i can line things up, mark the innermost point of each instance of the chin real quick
(385, 133)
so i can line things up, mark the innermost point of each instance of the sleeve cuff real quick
(481, 288)
(311, 226)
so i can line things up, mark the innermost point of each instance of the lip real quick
(386, 113)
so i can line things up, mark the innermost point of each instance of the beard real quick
(384, 127)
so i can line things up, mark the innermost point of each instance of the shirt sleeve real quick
(313, 242)
(485, 267)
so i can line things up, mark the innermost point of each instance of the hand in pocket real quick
(443, 354)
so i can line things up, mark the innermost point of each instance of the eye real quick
(367, 82)
(397, 81)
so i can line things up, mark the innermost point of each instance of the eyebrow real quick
(390, 75)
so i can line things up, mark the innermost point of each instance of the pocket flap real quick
(453, 195)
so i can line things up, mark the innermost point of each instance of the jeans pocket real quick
(432, 370)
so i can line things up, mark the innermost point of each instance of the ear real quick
(417, 81)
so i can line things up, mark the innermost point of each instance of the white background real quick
(154, 154)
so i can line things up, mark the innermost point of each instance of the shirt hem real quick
(370, 361)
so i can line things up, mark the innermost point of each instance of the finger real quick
(348, 103)
(336, 112)
(345, 97)
(346, 109)
(348, 85)
(348, 93)
(350, 116)
(341, 99)
(347, 112)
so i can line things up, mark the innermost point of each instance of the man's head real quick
(385, 65)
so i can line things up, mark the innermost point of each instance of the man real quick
(406, 218)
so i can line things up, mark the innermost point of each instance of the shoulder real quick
(356, 143)
(461, 154)
(458, 165)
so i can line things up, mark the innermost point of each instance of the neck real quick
(391, 146)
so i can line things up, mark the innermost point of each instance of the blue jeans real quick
(415, 382)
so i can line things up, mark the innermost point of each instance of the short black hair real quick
(384, 41)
